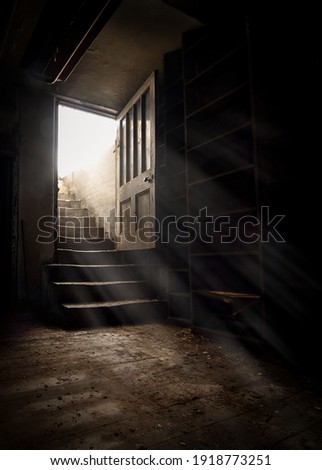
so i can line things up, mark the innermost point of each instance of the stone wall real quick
(36, 189)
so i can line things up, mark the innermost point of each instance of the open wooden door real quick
(135, 163)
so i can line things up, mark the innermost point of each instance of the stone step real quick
(66, 196)
(72, 256)
(80, 232)
(95, 273)
(87, 292)
(97, 314)
(73, 221)
(72, 212)
(69, 203)
(84, 244)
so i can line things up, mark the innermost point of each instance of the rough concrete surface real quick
(149, 387)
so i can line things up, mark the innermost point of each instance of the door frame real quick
(81, 106)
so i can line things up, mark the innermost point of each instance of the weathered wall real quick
(36, 188)
(8, 182)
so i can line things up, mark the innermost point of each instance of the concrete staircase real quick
(90, 284)
(74, 223)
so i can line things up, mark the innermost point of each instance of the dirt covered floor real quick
(149, 387)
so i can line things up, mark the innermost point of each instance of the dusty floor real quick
(148, 387)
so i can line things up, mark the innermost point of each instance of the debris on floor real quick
(149, 387)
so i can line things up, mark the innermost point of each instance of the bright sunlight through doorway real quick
(86, 162)
(83, 137)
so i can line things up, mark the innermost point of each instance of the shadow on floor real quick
(149, 387)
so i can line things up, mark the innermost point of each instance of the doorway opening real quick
(86, 172)
(106, 172)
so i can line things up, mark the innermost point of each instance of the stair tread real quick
(83, 239)
(69, 200)
(98, 283)
(72, 250)
(113, 303)
(91, 265)
(70, 209)
(79, 226)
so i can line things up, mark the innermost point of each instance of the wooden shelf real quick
(220, 175)
(174, 105)
(217, 100)
(179, 294)
(174, 82)
(171, 131)
(233, 298)
(229, 153)
(175, 120)
(220, 136)
(201, 32)
(179, 173)
(214, 65)
(235, 191)
(226, 253)
(181, 321)
(179, 270)
(174, 129)
(218, 110)
(248, 209)
(226, 296)
(172, 67)
(208, 46)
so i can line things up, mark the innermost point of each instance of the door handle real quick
(148, 179)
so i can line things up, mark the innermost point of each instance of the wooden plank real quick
(227, 296)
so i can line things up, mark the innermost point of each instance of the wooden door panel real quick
(135, 185)
(125, 212)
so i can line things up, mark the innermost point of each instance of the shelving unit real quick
(221, 176)
(240, 133)
(158, 273)
(230, 138)
(175, 139)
